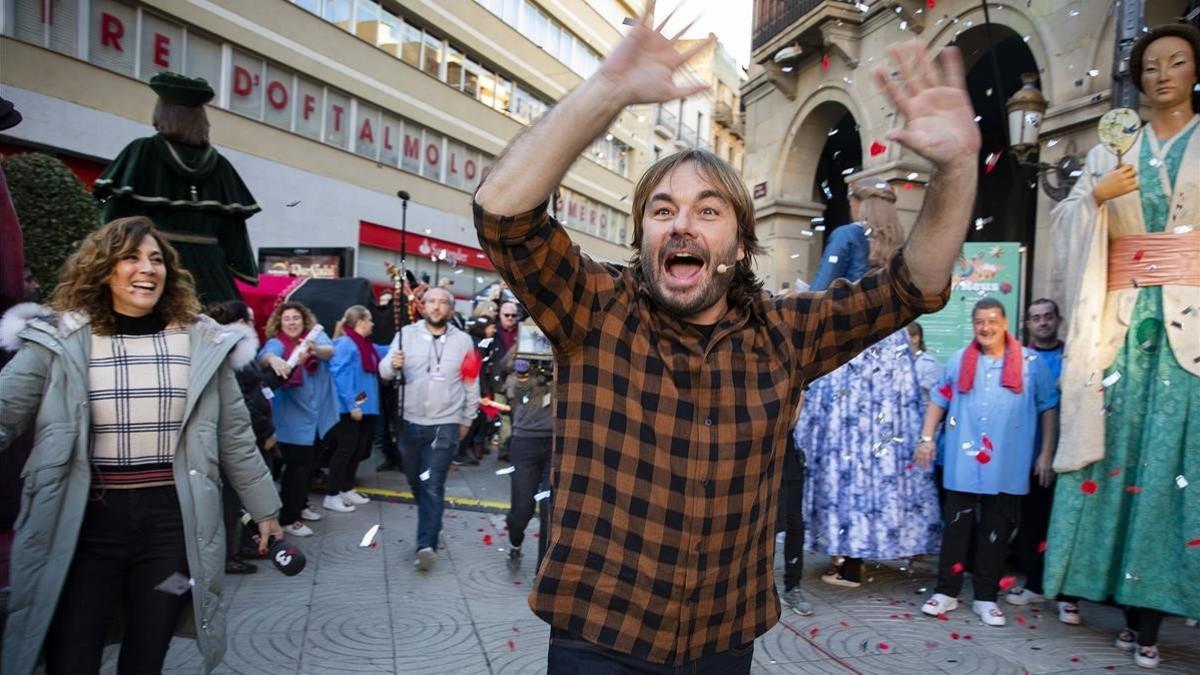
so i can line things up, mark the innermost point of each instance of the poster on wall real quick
(985, 269)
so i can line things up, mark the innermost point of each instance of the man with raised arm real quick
(677, 373)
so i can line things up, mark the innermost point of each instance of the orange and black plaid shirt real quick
(668, 447)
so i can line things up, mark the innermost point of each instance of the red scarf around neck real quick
(366, 351)
(289, 346)
(1011, 376)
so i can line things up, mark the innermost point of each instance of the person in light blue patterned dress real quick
(864, 497)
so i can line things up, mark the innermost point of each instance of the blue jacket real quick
(846, 255)
(350, 380)
(305, 413)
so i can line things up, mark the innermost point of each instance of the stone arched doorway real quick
(824, 149)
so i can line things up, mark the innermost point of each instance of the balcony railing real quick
(723, 114)
(687, 134)
(771, 17)
(667, 122)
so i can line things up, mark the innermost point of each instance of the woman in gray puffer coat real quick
(137, 414)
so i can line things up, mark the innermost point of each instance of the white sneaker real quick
(298, 529)
(309, 514)
(939, 604)
(989, 612)
(353, 498)
(424, 559)
(1068, 613)
(1023, 596)
(336, 503)
(1146, 657)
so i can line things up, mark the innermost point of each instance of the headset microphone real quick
(723, 268)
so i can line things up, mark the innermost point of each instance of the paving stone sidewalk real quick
(367, 610)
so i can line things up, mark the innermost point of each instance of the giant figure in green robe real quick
(191, 192)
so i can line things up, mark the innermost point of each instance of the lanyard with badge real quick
(434, 367)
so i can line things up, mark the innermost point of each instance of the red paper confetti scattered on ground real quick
(894, 616)
(515, 629)
(825, 63)
(813, 631)
(1007, 583)
(983, 458)
(1115, 472)
(907, 615)
(966, 637)
(512, 646)
(1021, 620)
(518, 583)
(956, 568)
(954, 636)
(883, 646)
(845, 625)
(487, 540)
(987, 442)
(1042, 547)
(942, 617)
(1133, 489)
(1075, 659)
(1088, 487)
(877, 148)
(1194, 543)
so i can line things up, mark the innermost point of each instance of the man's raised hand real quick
(642, 67)
(939, 122)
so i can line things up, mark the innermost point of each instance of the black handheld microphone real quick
(285, 557)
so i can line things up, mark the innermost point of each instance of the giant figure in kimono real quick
(1126, 522)
(192, 193)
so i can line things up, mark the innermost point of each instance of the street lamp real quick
(1025, 111)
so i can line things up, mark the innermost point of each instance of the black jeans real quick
(297, 472)
(570, 654)
(130, 541)
(998, 516)
(387, 431)
(530, 456)
(793, 519)
(1145, 622)
(353, 445)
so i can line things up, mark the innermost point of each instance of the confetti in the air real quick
(1088, 487)
(1111, 379)
(506, 470)
(877, 148)
(956, 568)
(1181, 482)
(424, 475)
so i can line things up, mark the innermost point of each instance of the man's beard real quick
(437, 323)
(711, 289)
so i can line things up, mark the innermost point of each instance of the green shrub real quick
(55, 209)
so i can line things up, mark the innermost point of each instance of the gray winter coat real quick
(46, 384)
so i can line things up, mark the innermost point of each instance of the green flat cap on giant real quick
(177, 89)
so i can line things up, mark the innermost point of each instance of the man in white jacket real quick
(441, 398)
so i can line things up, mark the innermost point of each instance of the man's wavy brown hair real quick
(83, 280)
(274, 321)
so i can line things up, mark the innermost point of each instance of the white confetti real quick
(424, 475)
(544, 494)
(1110, 380)
(1093, 73)
(953, 422)
(912, 176)
(369, 537)
(506, 470)
(1182, 229)
(1181, 482)
(833, 259)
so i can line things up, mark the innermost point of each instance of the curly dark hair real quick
(229, 311)
(83, 280)
(1186, 32)
(273, 321)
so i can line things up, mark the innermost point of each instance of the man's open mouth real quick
(683, 266)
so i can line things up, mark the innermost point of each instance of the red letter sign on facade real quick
(242, 82)
(469, 169)
(433, 154)
(277, 95)
(337, 116)
(310, 104)
(387, 136)
(412, 146)
(111, 31)
(453, 166)
(365, 133)
(162, 50)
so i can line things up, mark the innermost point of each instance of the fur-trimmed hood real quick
(35, 316)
